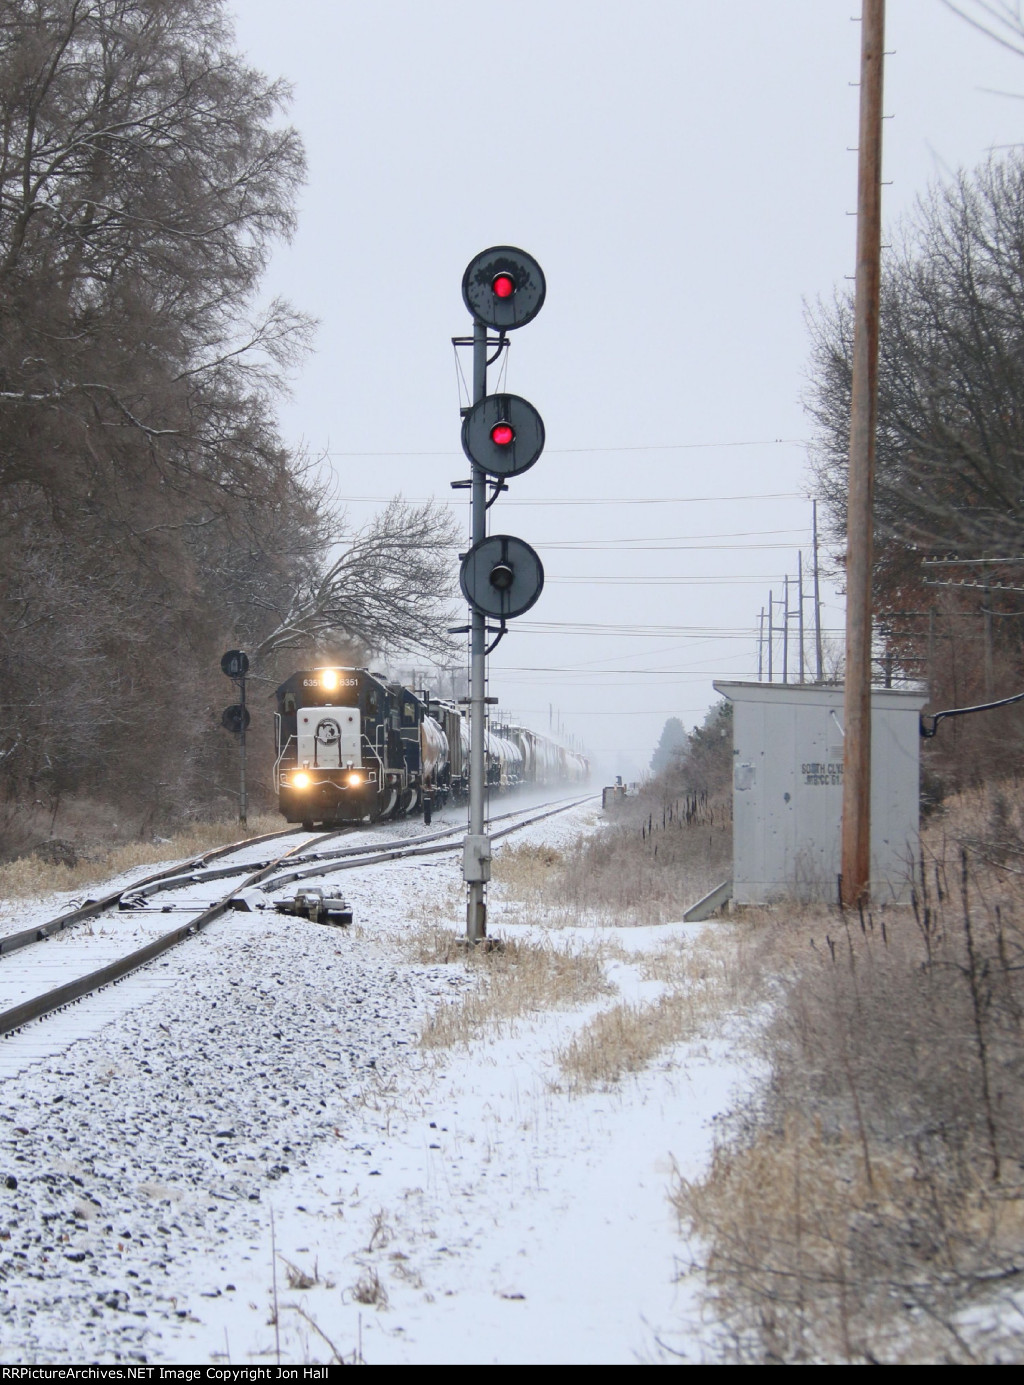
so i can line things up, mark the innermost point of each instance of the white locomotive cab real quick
(329, 738)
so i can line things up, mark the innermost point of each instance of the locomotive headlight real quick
(300, 780)
(354, 780)
(329, 679)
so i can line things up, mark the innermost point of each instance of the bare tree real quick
(950, 447)
(145, 172)
(389, 588)
(999, 19)
(951, 435)
(149, 511)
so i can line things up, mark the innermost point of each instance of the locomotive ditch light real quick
(503, 434)
(300, 780)
(504, 287)
(355, 780)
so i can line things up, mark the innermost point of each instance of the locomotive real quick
(351, 746)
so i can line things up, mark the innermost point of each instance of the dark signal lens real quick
(502, 434)
(504, 286)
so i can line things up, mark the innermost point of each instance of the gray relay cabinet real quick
(788, 789)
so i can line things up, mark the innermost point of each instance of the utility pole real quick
(785, 633)
(818, 660)
(771, 631)
(800, 620)
(856, 833)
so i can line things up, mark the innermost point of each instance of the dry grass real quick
(441, 925)
(32, 876)
(623, 1040)
(369, 1289)
(842, 1267)
(515, 981)
(707, 978)
(647, 866)
(527, 869)
(299, 1278)
(876, 1194)
(643, 868)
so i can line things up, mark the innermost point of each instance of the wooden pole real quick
(819, 662)
(800, 608)
(856, 834)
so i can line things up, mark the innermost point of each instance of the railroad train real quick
(351, 746)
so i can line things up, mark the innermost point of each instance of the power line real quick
(592, 500)
(687, 538)
(679, 675)
(730, 579)
(640, 711)
(553, 627)
(586, 546)
(635, 447)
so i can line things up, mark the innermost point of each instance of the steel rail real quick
(38, 1006)
(13, 941)
(144, 889)
(60, 996)
(397, 853)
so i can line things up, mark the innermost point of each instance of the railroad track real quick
(26, 989)
(27, 992)
(13, 942)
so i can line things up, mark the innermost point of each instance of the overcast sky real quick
(682, 171)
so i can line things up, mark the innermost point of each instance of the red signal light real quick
(504, 286)
(502, 434)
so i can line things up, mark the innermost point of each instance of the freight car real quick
(351, 746)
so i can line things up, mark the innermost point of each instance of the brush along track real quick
(133, 899)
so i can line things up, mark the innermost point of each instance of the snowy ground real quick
(237, 1099)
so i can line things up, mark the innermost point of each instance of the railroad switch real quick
(318, 908)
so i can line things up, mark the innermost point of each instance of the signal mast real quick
(501, 576)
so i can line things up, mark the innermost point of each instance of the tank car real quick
(452, 776)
